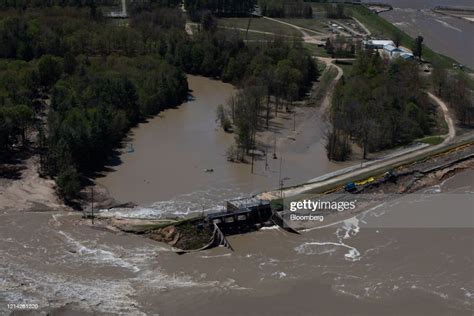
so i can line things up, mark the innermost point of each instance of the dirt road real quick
(30, 191)
(447, 117)
(307, 38)
(373, 166)
(327, 99)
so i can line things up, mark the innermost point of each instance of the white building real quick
(377, 44)
(391, 51)
(388, 49)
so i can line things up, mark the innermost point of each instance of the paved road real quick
(373, 166)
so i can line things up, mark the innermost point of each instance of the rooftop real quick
(392, 48)
(379, 42)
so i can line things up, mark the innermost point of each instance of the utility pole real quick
(280, 181)
(294, 121)
(232, 103)
(266, 160)
(252, 164)
(274, 146)
(248, 27)
(92, 205)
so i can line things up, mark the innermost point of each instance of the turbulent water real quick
(447, 35)
(396, 258)
(404, 256)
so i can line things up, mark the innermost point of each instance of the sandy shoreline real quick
(30, 191)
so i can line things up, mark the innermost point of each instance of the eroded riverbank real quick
(385, 258)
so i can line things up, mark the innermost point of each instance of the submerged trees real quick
(248, 106)
(223, 118)
(276, 72)
(380, 105)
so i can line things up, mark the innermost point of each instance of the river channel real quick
(412, 255)
(165, 173)
(447, 35)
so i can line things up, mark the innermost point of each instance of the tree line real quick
(456, 89)
(98, 79)
(379, 106)
(93, 108)
(19, 82)
(286, 8)
(279, 74)
(219, 7)
(335, 11)
(23, 4)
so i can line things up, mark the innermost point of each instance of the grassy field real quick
(346, 67)
(252, 36)
(260, 24)
(319, 24)
(383, 28)
(432, 140)
(315, 50)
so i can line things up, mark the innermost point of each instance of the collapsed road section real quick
(250, 214)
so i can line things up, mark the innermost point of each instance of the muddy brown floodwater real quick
(396, 259)
(166, 170)
(446, 35)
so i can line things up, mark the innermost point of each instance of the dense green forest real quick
(23, 4)
(95, 78)
(335, 11)
(380, 105)
(220, 7)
